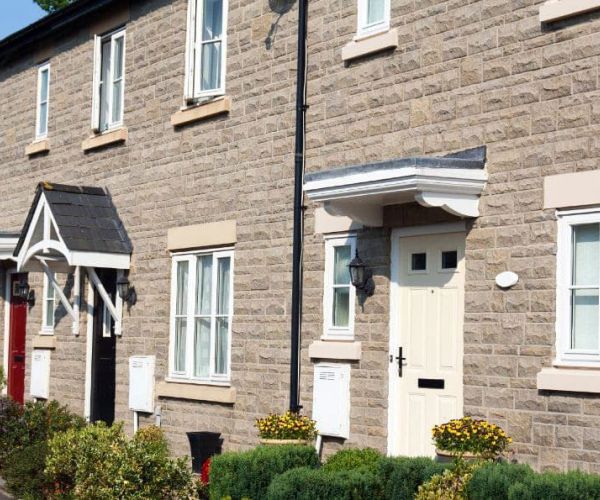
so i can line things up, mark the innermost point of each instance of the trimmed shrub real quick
(100, 462)
(248, 474)
(24, 471)
(401, 477)
(319, 484)
(549, 486)
(352, 458)
(25, 432)
(12, 430)
(493, 481)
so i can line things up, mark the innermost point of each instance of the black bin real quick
(204, 445)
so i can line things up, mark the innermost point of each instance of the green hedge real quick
(320, 484)
(353, 458)
(519, 482)
(367, 475)
(248, 474)
(401, 477)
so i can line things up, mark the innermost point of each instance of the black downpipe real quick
(298, 207)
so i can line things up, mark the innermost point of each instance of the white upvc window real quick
(109, 81)
(578, 288)
(43, 101)
(201, 315)
(206, 49)
(373, 17)
(339, 295)
(48, 307)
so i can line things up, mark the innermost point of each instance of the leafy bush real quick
(130, 468)
(493, 481)
(467, 435)
(401, 477)
(450, 484)
(352, 458)
(319, 484)
(23, 471)
(248, 474)
(23, 442)
(287, 426)
(12, 432)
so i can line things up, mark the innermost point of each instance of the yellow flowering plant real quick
(289, 425)
(468, 435)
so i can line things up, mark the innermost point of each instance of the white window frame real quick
(38, 122)
(331, 332)
(47, 329)
(193, 59)
(97, 83)
(565, 355)
(363, 29)
(191, 258)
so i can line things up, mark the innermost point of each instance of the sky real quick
(17, 14)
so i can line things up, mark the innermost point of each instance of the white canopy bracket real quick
(76, 298)
(112, 309)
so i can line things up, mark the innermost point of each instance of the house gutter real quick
(299, 160)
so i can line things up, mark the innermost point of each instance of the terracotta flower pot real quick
(282, 442)
(445, 456)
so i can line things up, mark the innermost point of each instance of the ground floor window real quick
(578, 308)
(201, 314)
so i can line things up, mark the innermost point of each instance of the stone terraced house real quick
(147, 165)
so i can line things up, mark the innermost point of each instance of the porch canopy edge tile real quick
(453, 182)
(72, 226)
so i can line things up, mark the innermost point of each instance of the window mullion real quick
(213, 314)
(191, 324)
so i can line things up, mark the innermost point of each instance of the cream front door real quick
(426, 387)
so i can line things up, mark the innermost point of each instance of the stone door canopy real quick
(453, 182)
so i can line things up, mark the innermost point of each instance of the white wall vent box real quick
(141, 383)
(331, 399)
(40, 374)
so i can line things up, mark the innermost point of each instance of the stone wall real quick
(465, 74)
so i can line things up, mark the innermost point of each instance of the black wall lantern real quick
(22, 290)
(361, 276)
(126, 291)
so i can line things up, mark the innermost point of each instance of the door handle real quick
(400, 358)
(18, 358)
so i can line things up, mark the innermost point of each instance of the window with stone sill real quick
(206, 49)
(373, 17)
(578, 290)
(43, 101)
(339, 295)
(109, 81)
(48, 307)
(201, 316)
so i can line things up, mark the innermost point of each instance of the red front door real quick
(16, 346)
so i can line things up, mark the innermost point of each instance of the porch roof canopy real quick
(71, 226)
(8, 242)
(453, 182)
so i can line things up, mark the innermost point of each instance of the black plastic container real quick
(204, 445)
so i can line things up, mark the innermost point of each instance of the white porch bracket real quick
(453, 183)
(112, 308)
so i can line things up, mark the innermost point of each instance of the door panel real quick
(103, 355)
(16, 348)
(430, 309)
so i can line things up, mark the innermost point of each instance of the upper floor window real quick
(373, 17)
(201, 314)
(48, 306)
(43, 100)
(578, 273)
(339, 294)
(206, 48)
(109, 81)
